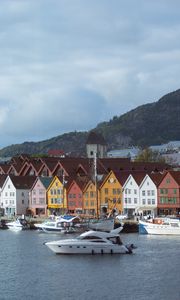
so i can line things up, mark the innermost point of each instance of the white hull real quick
(91, 242)
(15, 228)
(161, 229)
(95, 248)
(15, 225)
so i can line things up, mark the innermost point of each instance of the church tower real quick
(96, 145)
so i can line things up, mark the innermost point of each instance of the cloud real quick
(68, 65)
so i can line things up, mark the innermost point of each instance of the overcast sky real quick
(68, 65)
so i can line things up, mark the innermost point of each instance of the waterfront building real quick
(15, 194)
(169, 194)
(110, 191)
(75, 195)
(131, 193)
(57, 196)
(38, 196)
(90, 199)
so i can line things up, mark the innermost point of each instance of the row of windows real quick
(114, 191)
(148, 193)
(74, 196)
(90, 194)
(40, 192)
(56, 191)
(56, 200)
(130, 201)
(39, 201)
(11, 194)
(128, 191)
(148, 202)
(165, 191)
(114, 200)
(74, 204)
(170, 200)
(89, 203)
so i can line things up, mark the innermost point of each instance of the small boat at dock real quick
(162, 226)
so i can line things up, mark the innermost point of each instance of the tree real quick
(147, 155)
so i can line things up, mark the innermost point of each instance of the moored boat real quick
(92, 242)
(17, 225)
(61, 224)
(164, 226)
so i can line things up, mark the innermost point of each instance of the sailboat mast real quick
(95, 179)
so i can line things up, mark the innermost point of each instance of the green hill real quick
(149, 124)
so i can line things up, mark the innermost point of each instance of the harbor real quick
(29, 270)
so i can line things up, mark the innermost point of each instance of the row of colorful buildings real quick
(42, 186)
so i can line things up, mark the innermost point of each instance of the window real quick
(135, 200)
(92, 203)
(118, 191)
(114, 191)
(144, 201)
(91, 194)
(175, 191)
(168, 180)
(143, 193)
(135, 192)
(106, 191)
(149, 201)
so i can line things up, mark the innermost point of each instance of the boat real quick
(17, 225)
(101, 224)
(163, 226)
(61, 224)
(92, 242)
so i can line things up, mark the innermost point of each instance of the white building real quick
(148, 197)
(131, 193)
(15, 194)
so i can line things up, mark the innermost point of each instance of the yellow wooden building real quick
(110, 194)
(90, 198)
(57, 197)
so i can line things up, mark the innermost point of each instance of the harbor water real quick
(29, 270)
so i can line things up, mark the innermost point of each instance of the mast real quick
(95, 180)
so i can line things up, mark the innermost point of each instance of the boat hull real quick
(87, 249)
(159, 229)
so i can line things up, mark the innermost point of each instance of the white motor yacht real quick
(62, 224)
(163, 226)
(91, 242)
(17, 225)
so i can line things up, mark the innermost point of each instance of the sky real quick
(68, 65)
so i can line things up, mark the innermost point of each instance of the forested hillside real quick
(149, 124)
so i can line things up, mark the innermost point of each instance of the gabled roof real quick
(2, 179)
(157, 177)
(175, 175)
(5, 168)
(45, 181)
(139, 176)
(22, 182)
